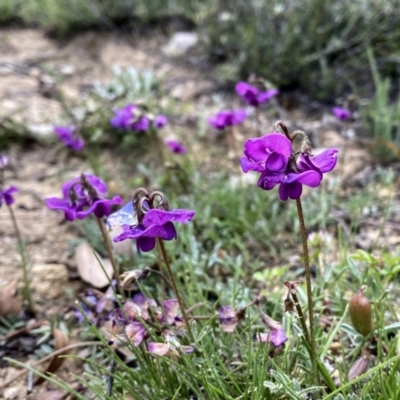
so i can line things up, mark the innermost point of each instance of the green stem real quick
(21, 246)
(173, 283)
(258, 121)
(110, 254)
(309, 289)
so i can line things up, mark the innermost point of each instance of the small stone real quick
(180, 43)
(41, 130)
(11, 393)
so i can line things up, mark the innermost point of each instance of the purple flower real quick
(343, 114)
(227, 318)
(155, 224)
(227, 118)
(83, 196)
(6, 195)
(176, 147)
(130, 117)
(252, 95)
(160, 121)
(68, 136)
(272, 156)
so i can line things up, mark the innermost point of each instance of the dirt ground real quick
(29, 64)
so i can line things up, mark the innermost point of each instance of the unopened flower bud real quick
(361, 313)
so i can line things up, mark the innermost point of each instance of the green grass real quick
(244, 243)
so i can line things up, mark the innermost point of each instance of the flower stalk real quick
(25, 265)
(175, 288)
(110, 254)
(309, 289)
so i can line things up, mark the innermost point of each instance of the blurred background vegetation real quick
(316, 46)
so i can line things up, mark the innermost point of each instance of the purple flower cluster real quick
(131, 117)
(83, 196)
(6, 195)
(68, 136)
(176, 147)
(227, 118)
(272, 156)
(155, 224)
(129, 325)
(254, 96)
(343, 114)
(229, 319)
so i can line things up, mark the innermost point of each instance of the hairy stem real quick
(110, 254)
(173, 282)
(309, 289)
(25, 267)
(301, 317)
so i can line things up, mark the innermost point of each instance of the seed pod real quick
(361, 313)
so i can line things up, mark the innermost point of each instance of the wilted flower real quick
(138, 307)
(6, 195)
(68, 136)
(273, 157)
(276, 335)
(83, 196)
(130, 117)
(170, 348)
(176, 147)
(254, 96)
(171, 314)
(359, 367)
(227, 118)
(228, 318)
(133, 332)
(155, 224)
(160, 121)
(341, 113)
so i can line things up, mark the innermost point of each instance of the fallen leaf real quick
(10, 301)
(91, 266)
(61, 340)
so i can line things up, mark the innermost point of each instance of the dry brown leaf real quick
(50, 395)
(89, 267)
(61, 340)
(10, 301)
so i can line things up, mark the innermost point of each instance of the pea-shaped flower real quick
(272, 155)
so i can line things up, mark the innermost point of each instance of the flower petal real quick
(161, 217)
(259, 149)
(290, 190)
(310, 178)
(326, 160)
(145, 244)
(161, 349)
(248, 165)
(263, 97)
(277, 337)
(171, 309)
(276, 162)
